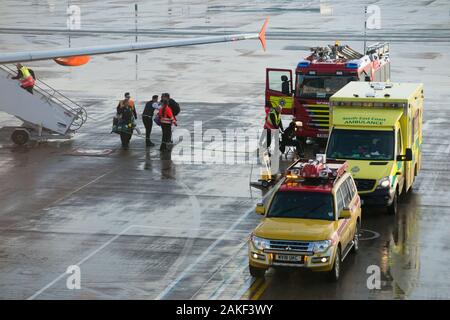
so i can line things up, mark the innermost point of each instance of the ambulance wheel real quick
(393, 208)
(256, 272)
(20, 137)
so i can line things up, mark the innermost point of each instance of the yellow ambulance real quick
(377, 128)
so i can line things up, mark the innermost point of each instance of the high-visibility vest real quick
(166, 115)
(27, 79)
(269, 124)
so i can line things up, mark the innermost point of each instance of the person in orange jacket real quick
(167, 119)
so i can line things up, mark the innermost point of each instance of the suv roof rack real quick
(317, 169)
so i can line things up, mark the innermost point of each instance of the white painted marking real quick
(79, 263)
(226, 283)
(205, 253)
(375, 235)
(248, 283)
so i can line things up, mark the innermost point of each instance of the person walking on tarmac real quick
(26, 77)
(129, 103)
(174, 106)
(167, 119)
(273, 122)
(126, 111)
(147, 119)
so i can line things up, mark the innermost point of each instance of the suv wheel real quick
(335, 272)
(393, 208)
(356, 239)
(256, 272)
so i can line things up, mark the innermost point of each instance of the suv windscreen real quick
(361, 145)
(320, 86)
(302, 205)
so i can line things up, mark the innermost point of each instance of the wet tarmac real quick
(142, 224)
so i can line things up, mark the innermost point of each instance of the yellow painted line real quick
(261, 289)
(253, 288)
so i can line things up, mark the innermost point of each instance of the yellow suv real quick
(312, 220)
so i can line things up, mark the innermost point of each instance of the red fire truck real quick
(317, 78)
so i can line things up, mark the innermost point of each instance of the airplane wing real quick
(80, 56)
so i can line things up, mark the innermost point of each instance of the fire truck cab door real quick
(279, 89)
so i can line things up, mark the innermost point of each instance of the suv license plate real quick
(288, 258)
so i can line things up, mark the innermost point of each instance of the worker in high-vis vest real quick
(167, 119)
(25, 77)
(273, 122)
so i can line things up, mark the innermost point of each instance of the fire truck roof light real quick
(303, 64)
(352, 65)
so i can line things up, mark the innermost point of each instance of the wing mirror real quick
(407, 156)
(260, 209)
(345, 213)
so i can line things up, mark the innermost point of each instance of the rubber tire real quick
(335, 273)
(393, 208)
(355, 248)
(256, 272)
(20, 137)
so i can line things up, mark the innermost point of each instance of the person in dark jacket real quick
(285, 85)
(147, 119)
(126, 123)
(174, 106)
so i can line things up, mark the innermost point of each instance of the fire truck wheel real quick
(256, 272)
(393, 208)
(20, 137)
(335, 273)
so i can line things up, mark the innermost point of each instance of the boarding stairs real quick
(46, 114)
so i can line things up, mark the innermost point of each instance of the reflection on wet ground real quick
(145, 224)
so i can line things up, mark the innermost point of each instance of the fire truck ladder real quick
(46, 114)
(379, 49)
(349, 53)
(331, 52)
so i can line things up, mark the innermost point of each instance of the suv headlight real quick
(260, 243)
(384, 183)
(321, 246)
